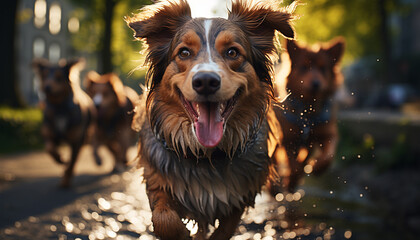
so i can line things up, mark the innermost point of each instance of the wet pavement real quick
(342, 204)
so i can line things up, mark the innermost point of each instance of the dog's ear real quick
(91, 78)
(336, 49)
(260, 21)
(118, 87)
(158, 23)
(292, 48)
(72, 68)
(77, 63)
(39, 64)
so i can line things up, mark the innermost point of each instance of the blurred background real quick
(371, 191)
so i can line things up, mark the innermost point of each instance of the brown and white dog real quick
(68, 111)
(114, 103)
(312, 77)
(202, 121)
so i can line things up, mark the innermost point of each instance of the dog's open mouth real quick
(209, 118)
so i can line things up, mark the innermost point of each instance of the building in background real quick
(43, 31)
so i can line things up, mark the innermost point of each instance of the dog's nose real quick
(316, 84)
(97, 99)
(206, 83)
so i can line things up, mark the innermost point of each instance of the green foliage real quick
(359, 21)
(20, 129)
(125, 51)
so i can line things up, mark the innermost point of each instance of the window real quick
(54, 53)
(55, 18)
(38, 48)
(40, 11)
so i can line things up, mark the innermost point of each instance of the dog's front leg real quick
(296, 163)
(228, 225)
(166, 222)
(95, 148)
(68, 173)
(328, 149)
(50, 145)
(51, 148)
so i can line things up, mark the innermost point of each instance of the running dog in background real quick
(308, 118)
(203, 118)
(114, 103)
(68, 110)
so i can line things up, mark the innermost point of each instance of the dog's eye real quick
(232, 53)
(184, 53)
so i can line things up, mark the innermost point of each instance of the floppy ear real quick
(158, 23)
(261, 20)
(336, 49)
(91, 78)
(292, 48)
(77, 63)
(118, 87)
(39, 64)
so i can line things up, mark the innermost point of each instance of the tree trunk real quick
(8, 83)
(106, 48)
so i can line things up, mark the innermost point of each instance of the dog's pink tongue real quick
(209, 126)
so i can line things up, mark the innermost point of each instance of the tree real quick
(364, 24)
(8, 88)
(103, 32)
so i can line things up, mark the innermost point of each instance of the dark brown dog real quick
(307, 116)
(203, 125)
(114, 103)
(68, 110)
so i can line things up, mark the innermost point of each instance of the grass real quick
(20, 129)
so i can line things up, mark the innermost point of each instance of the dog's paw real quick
(168, 225)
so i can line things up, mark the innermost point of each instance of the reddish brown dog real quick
(311, 76)
(203, 119)
(69, 112)
(114, 103)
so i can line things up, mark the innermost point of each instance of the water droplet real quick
(279, 197)
(347, 234)
(308, 169)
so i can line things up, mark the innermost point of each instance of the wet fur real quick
(311, 75)
(183, 178)
(115, 104)
(69, 113)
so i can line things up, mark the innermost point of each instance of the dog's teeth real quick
(197, 109)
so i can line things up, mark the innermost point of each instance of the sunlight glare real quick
(207, 9)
